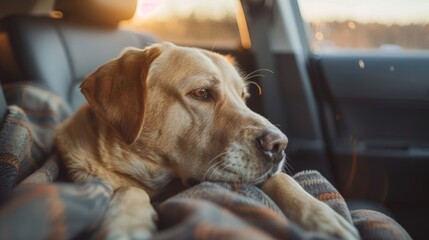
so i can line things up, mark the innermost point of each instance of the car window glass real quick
(205, 23)
(366, 24)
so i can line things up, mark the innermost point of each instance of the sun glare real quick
(219, 23)
(146, 7)
(200, 9)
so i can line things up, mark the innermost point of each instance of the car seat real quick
(57, 53)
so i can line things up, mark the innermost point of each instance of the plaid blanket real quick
(35, 204)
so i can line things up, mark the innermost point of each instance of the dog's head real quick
(184, 108)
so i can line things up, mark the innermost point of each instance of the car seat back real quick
(58, 53)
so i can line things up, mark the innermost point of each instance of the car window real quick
(205, 23)
(366, 24)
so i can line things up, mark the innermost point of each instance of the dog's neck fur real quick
(114, 159)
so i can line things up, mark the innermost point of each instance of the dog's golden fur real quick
(170, 112)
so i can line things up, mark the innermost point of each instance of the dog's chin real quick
(258, 179)
(272, 169)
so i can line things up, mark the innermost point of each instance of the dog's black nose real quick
(273, 143)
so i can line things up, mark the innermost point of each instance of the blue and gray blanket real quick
(36, 203)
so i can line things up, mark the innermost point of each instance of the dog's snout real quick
(273, 143)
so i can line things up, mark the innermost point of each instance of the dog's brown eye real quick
(201, 93)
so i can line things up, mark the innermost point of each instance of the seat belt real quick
(307, 139)
(260, 18)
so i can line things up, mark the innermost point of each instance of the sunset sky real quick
(382, 11)
(203, 9)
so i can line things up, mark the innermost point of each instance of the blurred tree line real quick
(193, 31)
(350, 34)
(323, 35)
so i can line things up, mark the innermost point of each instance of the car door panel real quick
(375, 108)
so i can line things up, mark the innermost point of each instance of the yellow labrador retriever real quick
(170, 112)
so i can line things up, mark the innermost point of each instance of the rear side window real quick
(204, 23)
(366, 24)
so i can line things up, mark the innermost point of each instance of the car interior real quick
(359, 118)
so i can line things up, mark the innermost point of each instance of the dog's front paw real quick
(322, 219)
(302, 208)
(130, 216)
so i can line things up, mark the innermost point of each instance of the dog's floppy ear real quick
(117, 90)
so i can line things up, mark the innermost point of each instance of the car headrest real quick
(99, 12)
